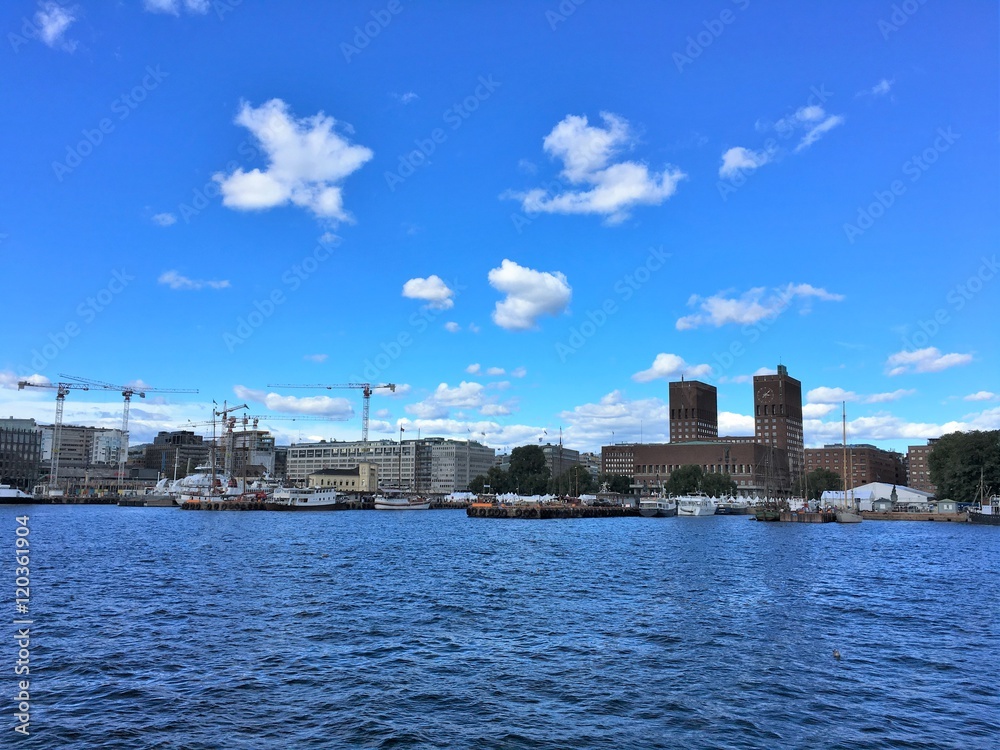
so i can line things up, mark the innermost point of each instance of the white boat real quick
(696, 505)
(732, 506)
(310, 498)
(401, 502)
(13, 496)
(657, 507)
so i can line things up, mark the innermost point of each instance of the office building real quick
(694, 411)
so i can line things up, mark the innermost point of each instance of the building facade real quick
(176, 454)
(778, 418)
(694, 411)
(918, 468)
(362, 479)
(428, 465)
(866, 463)
(20, 453)
(252, 448)
(559, 459)
(758, 470)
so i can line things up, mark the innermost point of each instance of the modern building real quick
(176, 453)
(252, 448)
(559, 459)
(778, 418)
(82, 448)
(592, 463)
(694, 411)
(20, 453)
(362, 479)
(918, 468)
(758, 470)
(428, 465)
(867, 463)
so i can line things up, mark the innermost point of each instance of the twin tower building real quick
(769, 463)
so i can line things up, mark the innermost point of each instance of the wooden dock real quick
(548, 510)
(791, 516)
(871, 515)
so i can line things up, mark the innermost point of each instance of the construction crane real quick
(62, 389)
(127, 392)
(365, 388)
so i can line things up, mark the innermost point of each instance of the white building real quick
(907, 498)
(429, 465)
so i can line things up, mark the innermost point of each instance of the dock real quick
(791, 516)
(548, 510)
(895, 515)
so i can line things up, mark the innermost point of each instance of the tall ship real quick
(401, 502)
(985, 512)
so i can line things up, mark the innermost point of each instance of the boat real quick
(657, 507)
(985, 512)
(733, 506)
(13, 496)
(310, 498)
(851, 512)
(401, 502)
(698, 504)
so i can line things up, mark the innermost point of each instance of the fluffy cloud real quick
(164, 219)
(924, 360)
(881, 398)
(473, 368)
(890, 427)
(175, 280)
(452, 327)
(881, 88)
(749, 307)
(982, 396)
(466, 395)
(519, 372)
(608, 189)
(666, 366)
(496, 371)
(432, 289)
(307, 161)
(816, 122)
(53, 20)
(738, 160)
(816, 411)
(825, 395)
(495, 410)
(9, 379)
(325, 406)
(530, 294)
(174, 7)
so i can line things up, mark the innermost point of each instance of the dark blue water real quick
(156, 628)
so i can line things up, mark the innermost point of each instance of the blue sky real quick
(527, 215)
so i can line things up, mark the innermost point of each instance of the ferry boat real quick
(698, 504)
(13, 496)
(401, 502)
(310, 498)
(657, 507)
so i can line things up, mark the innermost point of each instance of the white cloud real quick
(750, 307)
(816, 411)
(495, 410)
(432, 290)
(881, 88)
(667, 366)
(530, 294)
(164, 219)
(824, 395)
(738, 159)
(924, 360)
(318, 358)
(881, 398)
(406, 98)
(53, 19)
(496, 371)
(817, 131)
(519, 372)
(452, 327)
(336, 408)
(427, 410)
(174, 7)
(174, 280)
(466, 395)
(307, 161)
(731, 423)
(890, 427)
(473, 369)
(9, 379)
(982, 396)
(586, 153)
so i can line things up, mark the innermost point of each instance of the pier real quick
(791, 516)
(548, 510)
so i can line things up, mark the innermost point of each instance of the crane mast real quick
(62, 389)
(366, 392)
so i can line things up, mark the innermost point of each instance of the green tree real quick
(820, 480)
(718, 485)
(528, 473)
(616, 483)
(684, 480)
(496, 481)
(957, 461)
(576, 480)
